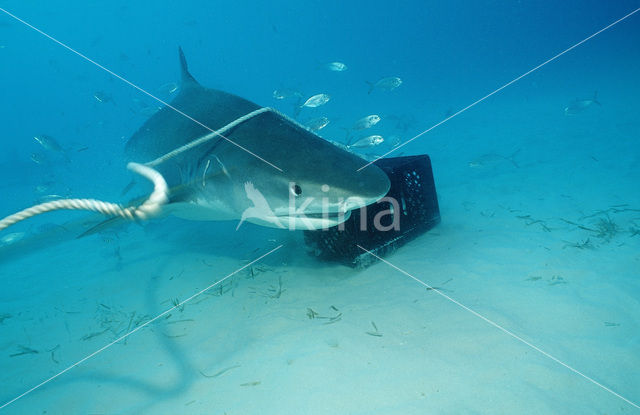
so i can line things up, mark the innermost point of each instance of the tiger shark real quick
(266, 169)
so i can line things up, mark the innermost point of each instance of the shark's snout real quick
(373, 184)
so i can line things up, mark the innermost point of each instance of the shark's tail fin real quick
(184, 69)
(595, 98)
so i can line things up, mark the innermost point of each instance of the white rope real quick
(158, 197)
(147, 209)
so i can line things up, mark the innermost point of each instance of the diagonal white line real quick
(124, 336)
(135, 86)
(499, 327)
(501, 88)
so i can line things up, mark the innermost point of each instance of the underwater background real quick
(538, 187)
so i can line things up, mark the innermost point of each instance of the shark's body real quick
(318, 184)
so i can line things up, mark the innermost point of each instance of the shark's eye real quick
(296, 190)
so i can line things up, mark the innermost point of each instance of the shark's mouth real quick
(315, 217)
(323, 215)
(305, 221)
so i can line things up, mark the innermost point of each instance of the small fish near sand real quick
(336, 66)
(49, 143)
(366, 122)
(316, 101)
(386, 84)
(366, 142)
(102, 97)
(318, 124)
(37, 158)
(580, 105)
(11, 238)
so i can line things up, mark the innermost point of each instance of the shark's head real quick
(315, 192)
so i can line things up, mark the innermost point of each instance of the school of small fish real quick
(403, 122)
(318, 100)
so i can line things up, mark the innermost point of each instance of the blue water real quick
(578, 168)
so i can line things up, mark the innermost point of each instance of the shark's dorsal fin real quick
(184, 69)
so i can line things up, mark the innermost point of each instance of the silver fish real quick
(11, 238)
(48, 143)
(579, 105)
(366, 122)
(318, 124)
(336, 66)
(102, 97)
(49, 198)
(388, 84)
(285, 93)
(37, 158)
(317, 100)
(168, 88)
(370, 141)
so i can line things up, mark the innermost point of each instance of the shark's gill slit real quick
(147, 209)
